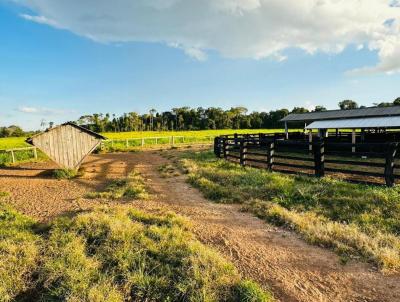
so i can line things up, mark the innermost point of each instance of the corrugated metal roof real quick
(342, 114)
(371, 122)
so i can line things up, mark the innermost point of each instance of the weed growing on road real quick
(65, 173)
(168, 170)
(355, 220)
(4, 194)
(131, 187)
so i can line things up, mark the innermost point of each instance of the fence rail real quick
(272, 152)
(12, 154)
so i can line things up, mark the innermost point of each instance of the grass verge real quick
(114, 254)
(355, 220)
(19, 253)
(131, 187)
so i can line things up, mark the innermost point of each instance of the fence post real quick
(173, 140)
(225, 152)
(127, 143)
(35, 152)
(216, 147)
(270, 154)
(243, 152)
(389, 165)
(12, 156)
(142, 141)
(319, 157)
(156, 140)
(112, 143)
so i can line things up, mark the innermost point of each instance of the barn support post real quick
(310, 140)
(243, 152)
(389, 164)
(286, 131)
(319, 157)
(270, 154)
(353, 140)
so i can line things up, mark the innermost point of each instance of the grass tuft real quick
(132, 187)
(19, 253)
(65, 173)
(123, 254)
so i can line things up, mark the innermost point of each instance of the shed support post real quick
(286, 131)
(389, 164)
(353, 140)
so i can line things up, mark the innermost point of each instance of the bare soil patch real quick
(279, 259)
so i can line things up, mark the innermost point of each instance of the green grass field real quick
(16, 142)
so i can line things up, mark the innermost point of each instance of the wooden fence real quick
(161, 140)
(12, 157)
(365, 162)
(12, 152)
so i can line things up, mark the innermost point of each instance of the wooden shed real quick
(67, 144)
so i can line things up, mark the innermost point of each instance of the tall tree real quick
(348, 104)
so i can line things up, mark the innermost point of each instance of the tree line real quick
(186, 118)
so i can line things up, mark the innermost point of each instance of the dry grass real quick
(114, 254)
(19, 253)
(132, 187)
(357, 221)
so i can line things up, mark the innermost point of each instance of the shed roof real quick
(371, 122)
(342, 114)
(96, 135)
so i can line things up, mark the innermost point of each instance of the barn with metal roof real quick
(372, 122)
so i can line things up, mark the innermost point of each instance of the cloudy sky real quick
(60, 59)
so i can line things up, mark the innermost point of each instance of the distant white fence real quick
(12, 152)
(139, 142)
(160, 140)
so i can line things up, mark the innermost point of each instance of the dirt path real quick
(294, 270)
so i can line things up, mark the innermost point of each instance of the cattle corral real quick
(372, 161)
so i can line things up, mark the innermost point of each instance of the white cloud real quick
(235, 28)
(43, 111)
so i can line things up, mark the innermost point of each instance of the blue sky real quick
(57, 71)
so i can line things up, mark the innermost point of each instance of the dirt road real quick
(278, 259)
